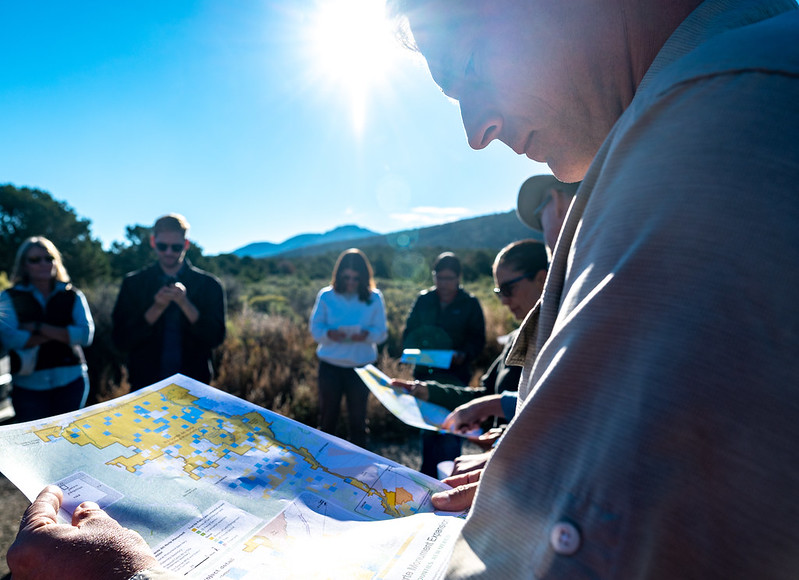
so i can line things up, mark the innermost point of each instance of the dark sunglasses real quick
(37, 259)
(505, 289)
(176, 248)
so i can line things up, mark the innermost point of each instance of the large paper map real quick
(221, 488)
(407, 408)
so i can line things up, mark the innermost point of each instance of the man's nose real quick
(482, 126)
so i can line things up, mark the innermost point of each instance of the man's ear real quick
(186, 244)
(152, 241)
(540, 277)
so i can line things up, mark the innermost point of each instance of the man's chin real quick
(568, 172)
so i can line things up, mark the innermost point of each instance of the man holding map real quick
(655, 435)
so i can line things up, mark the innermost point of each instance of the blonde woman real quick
(44, 322)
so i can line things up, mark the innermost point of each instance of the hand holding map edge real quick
(93, 546)
(461, 496)
(405, 407)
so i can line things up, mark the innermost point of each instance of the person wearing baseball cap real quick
(543, 204)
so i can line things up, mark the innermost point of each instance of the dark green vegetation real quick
(268, 356)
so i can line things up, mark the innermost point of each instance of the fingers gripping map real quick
(221, 488)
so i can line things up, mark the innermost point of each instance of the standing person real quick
(170, 316)
(445, 317)
(348, 322)
(44, 321)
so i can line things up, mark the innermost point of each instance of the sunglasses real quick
(505, 289)
(37, 259)
(176, 248)
(351, 278)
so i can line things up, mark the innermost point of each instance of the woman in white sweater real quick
(348, 321)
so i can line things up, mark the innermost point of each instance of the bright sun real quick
(354, 49)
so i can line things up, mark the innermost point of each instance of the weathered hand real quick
(469, 416)
(461, 496)
(95, 546)
(471, 462)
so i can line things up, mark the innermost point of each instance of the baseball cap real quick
(532, 195)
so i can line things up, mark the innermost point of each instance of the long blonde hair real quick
(19, 275)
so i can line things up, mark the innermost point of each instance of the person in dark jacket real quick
(170, 316)
(445, 317)
(520, 269)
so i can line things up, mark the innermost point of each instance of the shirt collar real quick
(524, 342)
(710, 19)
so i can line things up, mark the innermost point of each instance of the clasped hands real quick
(340, 336)
(175, 292)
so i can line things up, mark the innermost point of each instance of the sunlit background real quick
(353, 52)
(258, 120)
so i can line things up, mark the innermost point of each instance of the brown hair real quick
(173, 222)
(354, 259)
(528, 256)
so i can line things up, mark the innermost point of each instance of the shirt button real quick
(564, 538)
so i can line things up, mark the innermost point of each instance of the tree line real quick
(26, 212)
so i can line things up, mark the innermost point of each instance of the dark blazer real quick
(143, 343)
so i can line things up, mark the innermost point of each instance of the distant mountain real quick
(485, 232)
(339, 234)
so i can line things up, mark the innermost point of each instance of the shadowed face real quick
(447, 283)
(525, 72)
(170, 247)
(39, 264)
(351, 279)
(519, 293)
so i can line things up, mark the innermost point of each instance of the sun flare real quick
(353, 49)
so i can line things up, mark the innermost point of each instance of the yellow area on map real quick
(140, 422)
(167, 424)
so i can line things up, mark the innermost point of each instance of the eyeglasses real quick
(505, 289)
(176, 248)
(37, 259)
(445, 278)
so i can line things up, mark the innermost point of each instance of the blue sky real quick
(247, 116)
